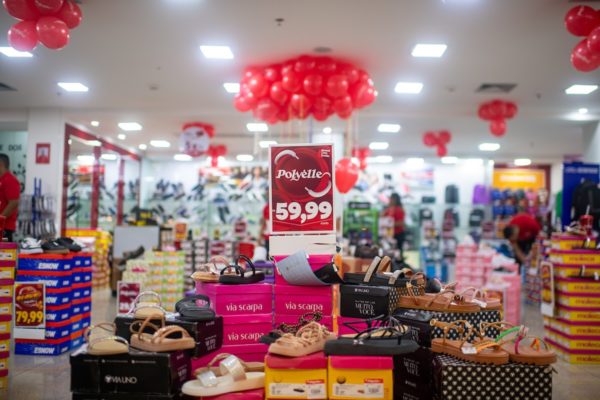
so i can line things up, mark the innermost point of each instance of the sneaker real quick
(53, 247)
(70, 244)
(30, 246)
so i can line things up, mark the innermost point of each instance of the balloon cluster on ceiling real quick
(214, 152)
(361, 154)
(439, 140)
(585, 21)
(497, 112)
(304, 86)
(44, 21)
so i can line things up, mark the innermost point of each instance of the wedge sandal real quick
(481, 351)
(309, 339)
(512, 339)
(241, 275)
(162, 339)
(381, 341)
(446, 301)
(102, 341)
(142, 308)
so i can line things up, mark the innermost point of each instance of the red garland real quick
(439, 140)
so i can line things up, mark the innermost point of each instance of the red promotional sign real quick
(301, 188)
(42, 153)
(30, 305)
(126, 294)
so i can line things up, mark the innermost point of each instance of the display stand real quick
(8, 262)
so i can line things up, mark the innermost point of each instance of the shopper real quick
(10, 191)
(395, 211)
(264, 228)
(521, 232)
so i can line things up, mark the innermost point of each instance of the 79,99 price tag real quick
(30, 307)
(301, 188)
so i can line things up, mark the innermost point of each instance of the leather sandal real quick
(446, 301)
(160, 341)
(142, 309)
(309, 339)
(102, 340)
(481, 298)
(512, 340)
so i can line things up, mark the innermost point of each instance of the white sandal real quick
(309, 339)
(104, 344)
(143, 309)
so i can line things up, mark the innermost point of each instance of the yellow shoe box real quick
(4, 328)
(569, 242)
(574, 270)
(575, 356)
(7, 272)
(577, 315)
(296, 378)
(573, 342)
(6, 290)
(573, 328)
(576, 285)
(575, 257)
(360, 377)
(578, 300)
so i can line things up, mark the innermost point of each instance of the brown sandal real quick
(159, 341)
(447, 301)
(481, 352)
(532, 354)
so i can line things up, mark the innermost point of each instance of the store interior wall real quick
(591, 142)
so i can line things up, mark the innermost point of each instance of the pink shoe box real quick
(256, 394)
(291, 319)
(302, 299)
(245, 329)
(315, 261)
(255, 298)
(245, 352)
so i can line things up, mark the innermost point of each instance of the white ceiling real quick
(123, 47)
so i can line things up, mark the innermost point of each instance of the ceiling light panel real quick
(73, 86)
(408, 87)
(244, 157)
(489, 147)
(217, 52)
(379, 145)
(257, 127)
(429, 50)
(130, 126)
(264, 144)
(232, 87)
(182, 157)
(581, 89)
(10, 52)
(160, 143)
(389, 128)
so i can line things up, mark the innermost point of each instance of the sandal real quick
(309, 339)
(209, 272)
(104, 344)
(189, 310)
(248, 366)
(143, 309)
(379, 341)
(481, 352)
(381, 321)
(399, 278)
(241, 276)
(282, 329)
(159, 341)
(481, 298)
(446, 301)
(532, 354)
(233, 376)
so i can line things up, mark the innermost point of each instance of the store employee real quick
(10, 190)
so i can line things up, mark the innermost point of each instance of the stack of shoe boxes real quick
(167, 269)
(81, 309)
(8, 261)
(187, 246)
(98, 242)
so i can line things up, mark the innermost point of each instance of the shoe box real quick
(245, 352)
(355, 377)
(207, 334)
(125, 396)
(361, 301)
(413, 375)
(298, 300)
(47, 347)
(135, 372)
(245, 329)
(296, 377)
(254, 298)
(256, 394)
(457, 379)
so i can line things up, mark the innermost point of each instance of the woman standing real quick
(395, 211)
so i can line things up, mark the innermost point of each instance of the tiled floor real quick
(47, 378)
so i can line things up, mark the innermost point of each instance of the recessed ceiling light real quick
(389, 128)
(85, 159)
(160, 143)
(474, 161)
(408, 87)
(93, 143)
(449, 160)
(73, 86)
(142, 146)
(244, 157)
(379, 145)
(122, 136)
(130, 126)
(217, 52)
(581, 89)
(109, 157)
(522, 162)
(232, 87)
(415, 161)
(582, 111)
(95, 124)
(264, 144)
(380, 159)
(429, 50)
(327, 130)
(10, 52)
(257, 127)
(182, 157)
(489, 147)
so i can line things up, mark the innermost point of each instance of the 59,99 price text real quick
(292, 211)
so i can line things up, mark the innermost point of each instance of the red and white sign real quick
(42, 153)
(301, 188)
(30, 310)
(126, 294)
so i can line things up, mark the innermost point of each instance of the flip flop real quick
(381, 321)
(143, 309)
(241, 276)
(512, 338)
(379, 341)
(233, 377)
(447, 301)
(160, 341)
(481, 352)
(309, 339)
(189, 310)
(107, 344)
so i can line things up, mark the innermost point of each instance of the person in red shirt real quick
(521, 232)
(10, 191)
(396, 212)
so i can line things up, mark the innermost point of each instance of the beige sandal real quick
(447, 301)
(481, 352)
(210, 271)
(142, 309)
(248, 366)
(481, 298)
(104, 344)
(511, 339)
(309, 339)
(159, 341)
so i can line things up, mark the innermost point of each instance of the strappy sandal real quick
(446, 301)
(381, 321)
(248, 366)
(284, 328)
(142, 309)
(309, 339)
(379, 341)
(159, 341)
(189, 310)
(481, 298)
(481, 352)
(209, 272)
(232, 376)
(512, 338)
(104, 344)
(241, 276)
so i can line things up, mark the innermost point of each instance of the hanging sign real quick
(30, 310)
(301, 189)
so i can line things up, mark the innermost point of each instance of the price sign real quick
(126, 294)
(301, 190)
(30, 310)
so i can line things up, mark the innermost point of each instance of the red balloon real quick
(497, 109)
(484, 112)
(325, 65)
(283, 115)
(251, 99)
(343, 105)
(593, 41)
(278, 94)
(70, 13)
(291, 82)
(498, 127)
(322, 104)
(22, 9)
(48, 7)
(430, 139)
(239, 102)
(346, 175)
(581, 20)
(442, 151)
(272, 73)
(337, 85)
(22, 36)
(313, 84)
(582, 59)
(287, 67)
(362, 163)
(258, 85)
(304, 64)
(300, 103)
(266, 109)
(444, 137)
(250, 72)
(345, 114)
(511, 110)
(52, 32)
(320, 115)
(351, 73)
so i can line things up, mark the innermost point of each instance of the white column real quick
(591, 142)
